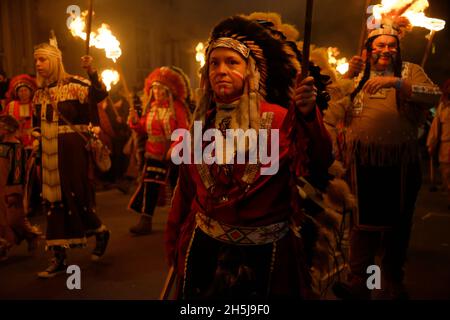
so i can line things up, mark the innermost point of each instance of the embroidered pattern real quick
(67, 129)
(251, 170)
(51, 187)
(231, 43)
(238, 235)
(162, 115)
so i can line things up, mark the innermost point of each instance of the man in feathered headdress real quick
(228, 233)
(381, 109)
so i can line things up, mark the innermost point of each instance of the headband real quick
(54, 53)
(231, 44)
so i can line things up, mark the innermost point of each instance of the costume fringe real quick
(374, 154)
(327, 224)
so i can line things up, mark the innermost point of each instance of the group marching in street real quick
(347, 146)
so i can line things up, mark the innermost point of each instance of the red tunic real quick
(265, 201)
(24, 118)
(158, 124)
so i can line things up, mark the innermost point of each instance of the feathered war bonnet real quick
(289, 35)
(270, 71)
(22, 80)
(173, 80)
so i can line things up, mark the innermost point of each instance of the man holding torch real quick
(381, 113)
(243, 220)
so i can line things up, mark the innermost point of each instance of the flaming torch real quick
(110, 77)
(413, 10)
(102, 39)
(200, 54)
(341, 65)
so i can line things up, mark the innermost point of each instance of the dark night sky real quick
(335, 23)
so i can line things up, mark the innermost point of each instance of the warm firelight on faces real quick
(384, 50)
(42, 65)
(159, 92)
(226, 74)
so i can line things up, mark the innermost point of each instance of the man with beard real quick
(380, 115)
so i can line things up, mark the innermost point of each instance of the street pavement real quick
(135, 268)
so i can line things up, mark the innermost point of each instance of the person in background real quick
(14, 224)
(381, 109)
(19, 95)
(438, 141)
(165, 110)
(65, 107)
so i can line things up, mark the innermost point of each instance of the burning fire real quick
(341, 64)
(414, 12)
(110, 77)
(200, 55)
(102, 39)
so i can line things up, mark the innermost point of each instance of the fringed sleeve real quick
(424, 91)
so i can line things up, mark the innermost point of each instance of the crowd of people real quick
(344, 146)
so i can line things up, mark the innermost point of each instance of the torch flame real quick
(200, 55)
(341, 65)
(420, 20)
(110, 77)
(102, 39)
(414, 13)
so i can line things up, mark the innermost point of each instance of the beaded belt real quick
(68, 129)
(238, 235)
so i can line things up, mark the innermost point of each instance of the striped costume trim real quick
(67, 129)
(238, 235)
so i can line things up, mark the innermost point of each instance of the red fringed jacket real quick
(263, 202)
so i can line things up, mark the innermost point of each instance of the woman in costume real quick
(65, 107)
(167, 92)
(232, 232)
